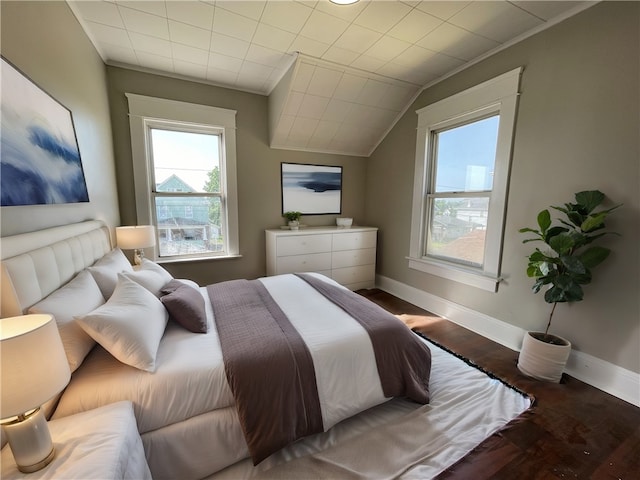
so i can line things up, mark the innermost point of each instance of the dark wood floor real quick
(573, 430)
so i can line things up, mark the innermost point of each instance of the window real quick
(184, 174)
(458, 194)
(463, 155)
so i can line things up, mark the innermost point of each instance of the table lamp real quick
(34, 369)
(136, 238)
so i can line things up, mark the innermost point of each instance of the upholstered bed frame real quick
(37, 263)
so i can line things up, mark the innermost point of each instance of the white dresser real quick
(348, 255)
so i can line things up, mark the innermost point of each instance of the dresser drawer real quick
(346, 255)
(302, 244)
(352, 258)
(354, 240)
(350, 275)
(313, 262)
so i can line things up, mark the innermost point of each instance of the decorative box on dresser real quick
(348, 255)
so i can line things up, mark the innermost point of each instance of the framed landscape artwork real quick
(311, 189)
(39, 155)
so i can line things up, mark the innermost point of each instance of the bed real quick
(174, 371)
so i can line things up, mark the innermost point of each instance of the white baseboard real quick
(603, 375)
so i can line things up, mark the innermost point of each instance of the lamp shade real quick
(33, 364)
(130, 238)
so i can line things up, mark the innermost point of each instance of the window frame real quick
(146, 113)
(496, 96)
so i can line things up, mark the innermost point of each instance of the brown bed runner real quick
(268, 367)
(403, 361)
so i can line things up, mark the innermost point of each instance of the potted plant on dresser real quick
(563, 266)
(293, 219)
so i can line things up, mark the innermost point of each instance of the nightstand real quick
(103, 443)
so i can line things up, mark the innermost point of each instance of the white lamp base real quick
(138, 255)
(30, 441)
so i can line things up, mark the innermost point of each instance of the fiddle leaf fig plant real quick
(565, 264)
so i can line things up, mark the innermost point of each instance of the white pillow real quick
(105, 271)
(78, 297)
(151, 276)
(149, 279)
(148, 265)
(130, 325)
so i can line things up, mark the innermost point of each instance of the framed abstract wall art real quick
(39, 155)
(311, 189)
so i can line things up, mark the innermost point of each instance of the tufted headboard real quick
(35, 264)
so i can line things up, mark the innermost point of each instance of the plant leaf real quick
(591, 238)
(553, 231)
(576, 218)
(564, 289)
(572, 290)
(554, 295)
(593, 256)
(564, 222)
(545, 268)
(573, 264)
(544, 220)
(532, 271)
(537, 256)
(593, 222)
(609, 210)
(589, 199)
(540, 282)
(561, 209)
(583, 279)
(562, 243)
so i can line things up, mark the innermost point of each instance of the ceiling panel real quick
(355, 68)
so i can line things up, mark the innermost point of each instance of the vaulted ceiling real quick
(337, 76)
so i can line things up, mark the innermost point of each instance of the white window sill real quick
(196, 259)
(457, 274)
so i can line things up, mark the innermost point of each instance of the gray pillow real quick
(171, 286)
(185, 305)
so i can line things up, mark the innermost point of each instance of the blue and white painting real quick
(311, 189)
(39, 156)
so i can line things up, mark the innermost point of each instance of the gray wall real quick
(259, 196)
(45, 41)
(577, 129)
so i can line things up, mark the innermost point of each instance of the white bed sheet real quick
(400, 439)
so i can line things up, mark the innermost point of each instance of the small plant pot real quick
(294, 225)
(543, 360)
